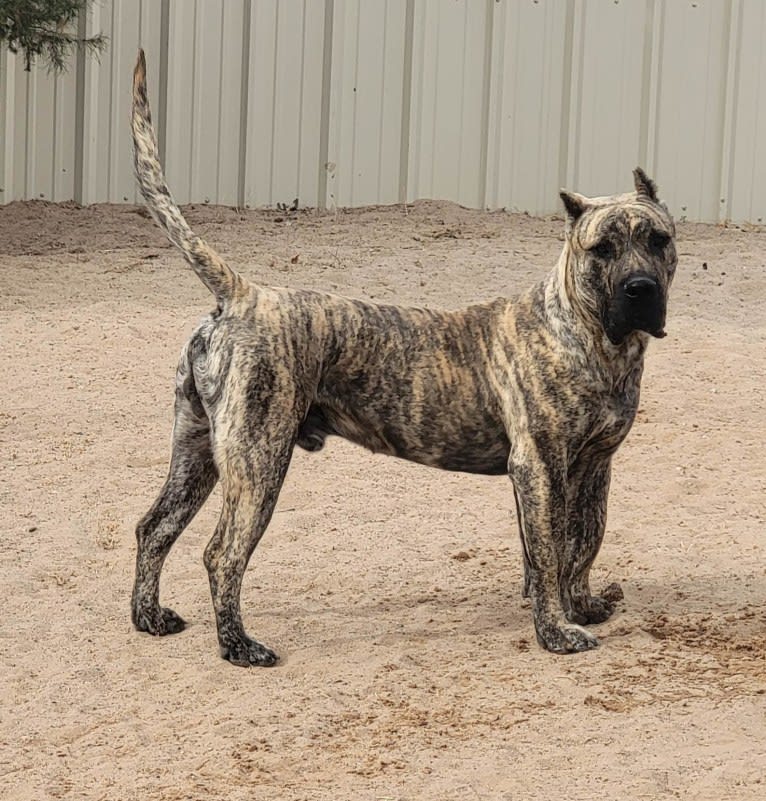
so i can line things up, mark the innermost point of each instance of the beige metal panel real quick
(182, 55)
(527, 118)
(609, 73)
(107, 162)
(7, 116)
(41, 134)
(231, 131)
(206, 128)
(204, 89)
(484, 102)
(260, 104)
(745, 189)
(38, 142)
(21, 110)
(689, 120)
(449, 104)
(64, 143)
(284, 102)
(366, 102)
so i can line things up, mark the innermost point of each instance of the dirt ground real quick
(392, 592)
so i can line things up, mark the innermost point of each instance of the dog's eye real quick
(603, 250)
(658, 241)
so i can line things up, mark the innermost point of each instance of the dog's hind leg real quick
(252, 457)
(191, 478)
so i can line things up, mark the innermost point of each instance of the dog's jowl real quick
(543, 386)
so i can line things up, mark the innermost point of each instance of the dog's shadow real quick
(723, 613)
(715, 612)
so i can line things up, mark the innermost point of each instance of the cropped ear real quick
(574, 203)
(644, 184)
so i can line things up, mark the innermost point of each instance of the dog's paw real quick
(566, 639)
(249, 653)
(591, 609)
(158, 621)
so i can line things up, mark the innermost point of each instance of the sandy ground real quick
(391, 591)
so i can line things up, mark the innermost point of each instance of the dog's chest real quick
(617, 413)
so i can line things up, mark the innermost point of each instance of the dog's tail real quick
(214, 273)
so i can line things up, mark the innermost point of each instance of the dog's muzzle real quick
(638, 305)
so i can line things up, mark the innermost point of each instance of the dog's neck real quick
(579, 326)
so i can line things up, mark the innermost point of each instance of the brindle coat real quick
(543, 387)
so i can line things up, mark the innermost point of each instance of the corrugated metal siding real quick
(690, 105)
(366, 103)
(607, 78)
(492, 103)
(448, 103)
(744, 185)
(101, 100)
(283, 102)
(530, 79)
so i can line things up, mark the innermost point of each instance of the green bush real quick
(46, 28)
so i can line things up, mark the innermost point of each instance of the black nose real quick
(641, 288)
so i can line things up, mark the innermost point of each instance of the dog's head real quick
(622, 258)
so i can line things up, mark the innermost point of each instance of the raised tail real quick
(214, 273)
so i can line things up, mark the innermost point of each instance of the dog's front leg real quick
(541, 495)
(588, 490)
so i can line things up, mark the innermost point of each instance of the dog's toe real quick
(249, 653)
(566, 639)
(593, 609)
(159, 621)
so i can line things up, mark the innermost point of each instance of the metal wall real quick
(492, 103)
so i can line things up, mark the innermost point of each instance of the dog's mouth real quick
(651, 321)
(638, 305)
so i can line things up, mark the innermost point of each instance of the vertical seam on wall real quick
(702, 198)
(729, 121)
(29, 138)
(654, 128)
(416, 132)
(54, 138)
(646, 86)
(111, 159)
(542, 140)
(219, 127)
(162, 115)
(486, 87)
(461, 109)
(79, 111)
(302, 78)
(381, 118)
(193, 128)
(751, 205)
(579, 65)
(273, 105)
(354, 109)
(434, 103)
(244, 102)
(495, 102)
(623, 102)
(404, 136)
(566, 94)
(4, 93)
(324, 120)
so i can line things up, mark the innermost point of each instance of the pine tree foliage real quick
(46, 29)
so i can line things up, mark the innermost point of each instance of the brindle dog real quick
(542, 387)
